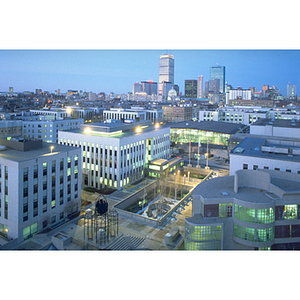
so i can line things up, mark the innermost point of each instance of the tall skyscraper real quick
(166, 70)
(200, 86)
(291, 91)
(137, 88)
(218, 72)
(190, 88)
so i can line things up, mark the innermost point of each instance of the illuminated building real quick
(218, 72)
(249, 210)
(134, 113)
(291, 91)
(216, 132)
(10, 90)
(40, 186)
(166, 70)
(115, 154)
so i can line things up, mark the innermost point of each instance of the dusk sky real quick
(116, 70)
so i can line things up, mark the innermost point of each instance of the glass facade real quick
(254, 235)
(203, 237)
(218, 72)
(290, 212)
(250, 215)
(225, 210)
(184, 135)
(190, 89)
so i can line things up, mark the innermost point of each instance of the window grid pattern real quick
(225, 210)
(254, 235)
(250, 215)
(203, 237)
(290, 212)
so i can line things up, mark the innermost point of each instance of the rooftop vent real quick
(224, 193)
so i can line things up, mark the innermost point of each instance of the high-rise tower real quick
(166, 70)
(218, 72)
(200, 86)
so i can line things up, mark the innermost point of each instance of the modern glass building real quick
(166, 70)
(213, 132)
(218, 72)
(250, 210)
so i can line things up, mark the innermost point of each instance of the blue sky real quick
(116, 70)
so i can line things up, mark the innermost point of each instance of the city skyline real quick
(116, 70)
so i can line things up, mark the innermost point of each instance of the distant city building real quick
(291, 91)
(239, 93)
(40, 127)
(253, 102)
(41, 186)
(149, 87)
(177, 113)
(200, 86)
(190, 88)
(92, 96)
(10, 90)
(172, 95)
(57, 92)
(240, 115)
(166, 87)
(218, 72)
(212, 86)
(115, 154)
(134, 113)
(38, 91)
(166, 70)
(10, 128)
(137, 88)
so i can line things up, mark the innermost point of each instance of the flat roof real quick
(215, 126)
(45, 151)
(253, 147)
(277, 123)
(115, 130)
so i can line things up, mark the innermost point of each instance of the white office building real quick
(266, 153)
(40, 186)
(134, 113)
(238, 115)
(115, 154)
(41, 127)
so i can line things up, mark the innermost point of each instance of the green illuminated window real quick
(254, 235)
(225, 210)
(290, 212)
(251, 215)
(203, 237)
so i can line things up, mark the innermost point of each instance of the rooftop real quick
(267, 148)
(215, 126)
(118, 129)
(44, 151)
(277, 123)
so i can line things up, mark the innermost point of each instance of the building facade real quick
(116, 154)
(218, 72)
(190, 88)
(250, 210)
(166, 70)
(200, 87)
(177, 113)
(40, 186)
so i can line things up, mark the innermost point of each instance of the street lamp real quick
(51, 148)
